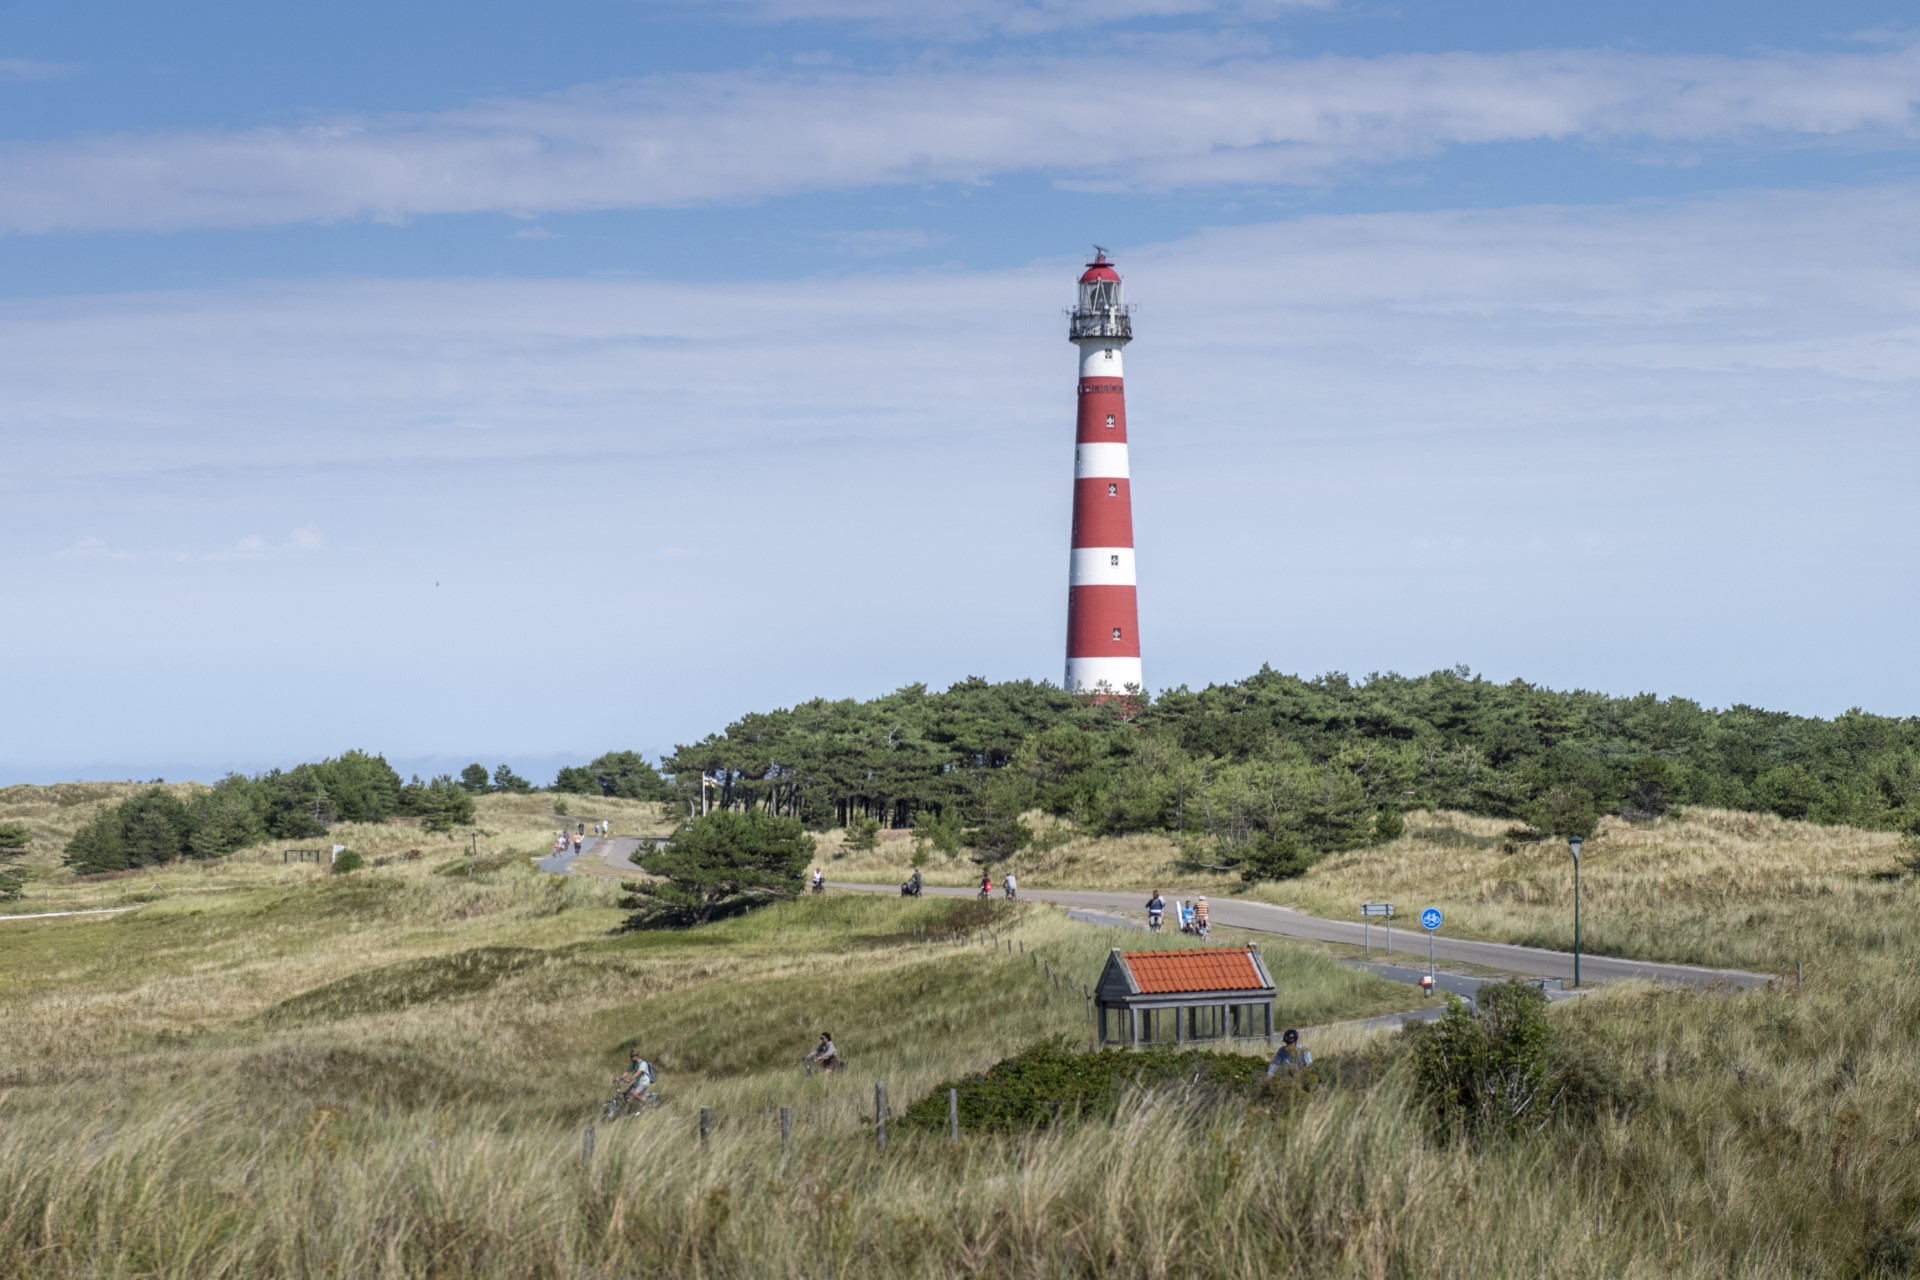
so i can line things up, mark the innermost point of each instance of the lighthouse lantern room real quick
(1103, 624)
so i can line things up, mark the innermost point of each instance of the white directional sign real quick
(1430, 918)
(1376, 908)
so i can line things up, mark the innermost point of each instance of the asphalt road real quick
(1409, 943)
(601, 856)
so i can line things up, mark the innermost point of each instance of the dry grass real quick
(1707, 887)
(270, 1072)
(54, 813)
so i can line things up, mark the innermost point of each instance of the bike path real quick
(1261, 917)
(599, 856)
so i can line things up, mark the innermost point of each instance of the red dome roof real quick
(1099, 269)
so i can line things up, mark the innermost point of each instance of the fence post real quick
(706, 1124)
(953, 1113)
(586, 1145)
(786, 1127)
(880, 1115)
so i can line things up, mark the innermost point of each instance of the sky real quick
(495, 382)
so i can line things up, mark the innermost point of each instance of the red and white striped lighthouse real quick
(1103, 621)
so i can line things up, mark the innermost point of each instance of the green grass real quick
(272, 1072)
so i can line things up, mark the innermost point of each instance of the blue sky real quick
(466, 381)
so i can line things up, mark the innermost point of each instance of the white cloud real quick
(883, 242)
(1389, 324)
(251, 547)
(30, 69)
(1109, 122)
(968, 19)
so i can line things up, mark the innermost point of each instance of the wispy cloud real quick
(883, 242)
(251, 547)
(969, 19)
(691, 140)
(27, 69)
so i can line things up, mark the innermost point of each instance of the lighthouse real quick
(1103, 622)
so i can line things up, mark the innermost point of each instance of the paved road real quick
(599, 856)
(1260, 917)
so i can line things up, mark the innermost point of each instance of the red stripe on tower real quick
(1103, 617)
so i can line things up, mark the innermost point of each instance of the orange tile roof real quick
(1206, 969)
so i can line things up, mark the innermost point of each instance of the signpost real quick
(1368, 910)
(1430, 921)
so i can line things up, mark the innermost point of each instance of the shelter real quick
(1212, 993)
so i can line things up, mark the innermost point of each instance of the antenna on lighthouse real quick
(1103, 616)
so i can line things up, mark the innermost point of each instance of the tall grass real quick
(1708, 886)
(391, 1074)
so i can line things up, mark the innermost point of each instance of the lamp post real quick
(1573, 847)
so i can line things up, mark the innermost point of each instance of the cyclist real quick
(1292, 1053)
(1011, 885)
(1200, 923)
(819, 881)
(825, 1054)
(633, 1083)
(1156, 907)
(986, 884)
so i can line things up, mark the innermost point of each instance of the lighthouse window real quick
(1114, 560)
(1113, 491)
(1116, 633)
(1106, 355)
(1109, 422)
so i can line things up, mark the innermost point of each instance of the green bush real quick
(1018, 1093)
(348, 861)
(862, 833)
(1504, 1070)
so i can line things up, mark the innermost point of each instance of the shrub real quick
(1503, 1070)
(1018, 1093)
(862, 833)
(348, 861)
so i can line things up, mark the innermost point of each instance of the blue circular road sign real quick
(1430, 918)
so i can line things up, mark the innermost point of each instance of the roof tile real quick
(1208, 969)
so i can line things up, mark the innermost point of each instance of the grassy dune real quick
(270, 1072)
(1711, 887)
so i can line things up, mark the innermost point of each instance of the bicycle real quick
(623, 1104)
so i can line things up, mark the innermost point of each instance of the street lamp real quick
(1573, 847)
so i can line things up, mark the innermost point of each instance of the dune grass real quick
(1710, 887)
(272, 1072)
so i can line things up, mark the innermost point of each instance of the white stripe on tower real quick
(1103, 632)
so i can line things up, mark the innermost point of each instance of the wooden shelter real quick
(1211, 992)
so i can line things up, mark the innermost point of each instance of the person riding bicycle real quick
(825, 1054)
(637, 1078)
(986, 884)
(1200, 922)
(1156, 907)
(1292, 1053)
(1011, 885)
(819, 881)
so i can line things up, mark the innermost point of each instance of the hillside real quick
(272, 1071)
